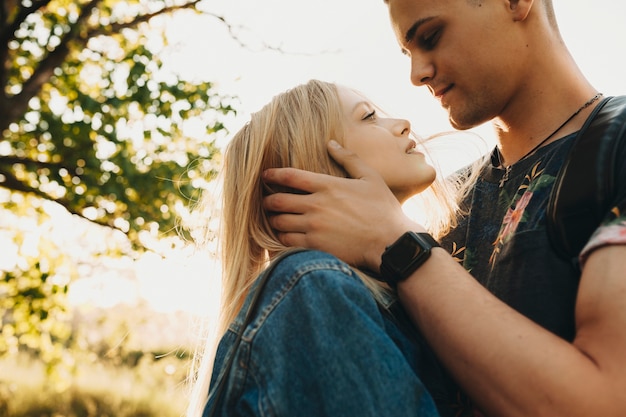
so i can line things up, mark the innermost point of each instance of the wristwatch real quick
(405, 255)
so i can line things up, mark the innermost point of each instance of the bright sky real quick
(361, 52)
(349, 42)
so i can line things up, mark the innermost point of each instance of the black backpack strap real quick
(585, 184)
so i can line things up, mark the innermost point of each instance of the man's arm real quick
(511, 366)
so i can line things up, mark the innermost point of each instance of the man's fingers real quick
(286, 203)
(306, 181)
(289, 229)
(312, 182)
(293, 240)
(288, 223)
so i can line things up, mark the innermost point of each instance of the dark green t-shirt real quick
(504, 244)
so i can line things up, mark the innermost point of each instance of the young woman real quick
(293, 359)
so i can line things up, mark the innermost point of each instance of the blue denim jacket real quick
(320, 345)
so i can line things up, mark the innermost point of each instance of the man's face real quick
(470, 56)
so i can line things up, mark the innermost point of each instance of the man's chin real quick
(460, 125)
(465, 121)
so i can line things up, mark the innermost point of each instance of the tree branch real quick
(18, 104)
(7, 34)
(7, 160)
(137, 20)
(12, 183)
(8, 31)
(232, 30)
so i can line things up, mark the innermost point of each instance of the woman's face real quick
(385, 145)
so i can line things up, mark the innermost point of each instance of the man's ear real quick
(520, 9)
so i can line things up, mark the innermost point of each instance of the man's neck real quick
(542, 119)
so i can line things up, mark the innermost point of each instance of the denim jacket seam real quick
(279, 295)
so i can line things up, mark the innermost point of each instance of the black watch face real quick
(406, 255)
(404, 250)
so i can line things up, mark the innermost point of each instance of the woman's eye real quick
(430, 39)
(370, 116)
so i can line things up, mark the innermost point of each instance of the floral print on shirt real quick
(515, 215)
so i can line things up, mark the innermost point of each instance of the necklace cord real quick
(569, 119)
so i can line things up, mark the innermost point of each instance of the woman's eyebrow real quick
(360, 104)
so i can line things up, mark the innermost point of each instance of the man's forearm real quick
(506, 363)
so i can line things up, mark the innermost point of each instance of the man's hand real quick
(351, 218)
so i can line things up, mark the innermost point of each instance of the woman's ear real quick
(520, 9)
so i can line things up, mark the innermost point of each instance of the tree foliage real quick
(33, 290)
(91, 119)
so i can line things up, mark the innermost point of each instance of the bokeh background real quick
(112, 117)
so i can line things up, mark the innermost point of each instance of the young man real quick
(523, 332)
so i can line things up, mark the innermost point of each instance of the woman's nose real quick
(402, 127)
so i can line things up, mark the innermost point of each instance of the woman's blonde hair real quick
(290, 131)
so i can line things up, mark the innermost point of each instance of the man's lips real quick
(439, 93)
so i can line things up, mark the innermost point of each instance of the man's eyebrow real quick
(410, 34)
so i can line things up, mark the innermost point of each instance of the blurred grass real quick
(126, 361)
(154, 387)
